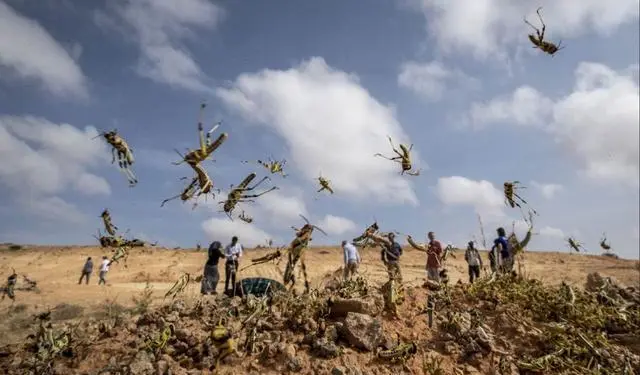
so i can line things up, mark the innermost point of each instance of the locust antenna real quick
(320, 229)
(305, 219)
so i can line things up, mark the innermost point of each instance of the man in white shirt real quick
(104, 268)
(232, 253)
(351, 259)
(473, 258)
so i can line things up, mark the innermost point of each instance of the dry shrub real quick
(143, 300)
(65, 311)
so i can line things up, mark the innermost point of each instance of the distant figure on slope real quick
(434, 255)
(232, 252)
(11, 284)
(87, 269)
(104, 268)
(351, 259)
(211, 274)
(501, 248)
(474, 260)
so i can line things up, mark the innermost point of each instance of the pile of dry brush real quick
(500, 324)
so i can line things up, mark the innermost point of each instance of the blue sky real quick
(322, 85)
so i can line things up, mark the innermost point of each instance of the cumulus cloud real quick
(336, 225)
(484, 28)
(222, 229)
(432, 80)
(552, 232)
(485, 198)
(597, 122)
(30, 52)
(160, 27)
(40, 159)
(547, 190)
(330, 123)
(526, 106)
(281, 207)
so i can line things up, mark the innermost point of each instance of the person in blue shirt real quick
(501, 247)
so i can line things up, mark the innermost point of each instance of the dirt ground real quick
(57, 269)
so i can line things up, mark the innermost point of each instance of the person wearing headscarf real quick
(211, 274)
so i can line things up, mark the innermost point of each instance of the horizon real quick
(311, 84)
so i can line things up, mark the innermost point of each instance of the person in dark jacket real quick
(390, 254)
(211, 274)
(87, 269)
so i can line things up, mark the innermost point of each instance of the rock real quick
(142, 364)
(162, 367)
(294, 364)
(325, 349)
(362, 331)
(331, 333)
(342, 306)
(172, 317)
(338, 370)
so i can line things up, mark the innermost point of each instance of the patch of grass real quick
(65, 311)
(14, 247)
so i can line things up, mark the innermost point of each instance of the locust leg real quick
(203, 145)
(245, 197)
(541, 34)
(256, 185)
(304, 274)
(397, 159)
(170, 199)
(113, 155)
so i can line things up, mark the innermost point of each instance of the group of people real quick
(87, 270)
(232, 254)
(500, 256)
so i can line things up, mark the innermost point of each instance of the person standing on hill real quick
(87, 270)
(434, 255)
(390, 254)
(501, 248)
(474, 260)
(351, 259)
(232, 252)
(211, 274)
(104, 268)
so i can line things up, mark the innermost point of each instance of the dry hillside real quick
(56, 269)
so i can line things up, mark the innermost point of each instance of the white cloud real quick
(91, 184)
(159, 26)
(336, 225)
(331, 124)
(547, 190)
(484, 28)
(551, 232)
(526, 106)
(55, 209)
(281, 207)
(432, 80)
(222, 229)
(30, 52)
(40, 159)
(597, 122)
(486, 199)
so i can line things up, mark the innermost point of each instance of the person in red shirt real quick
(434, 255)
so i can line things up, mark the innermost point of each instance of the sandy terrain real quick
(57, 269)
